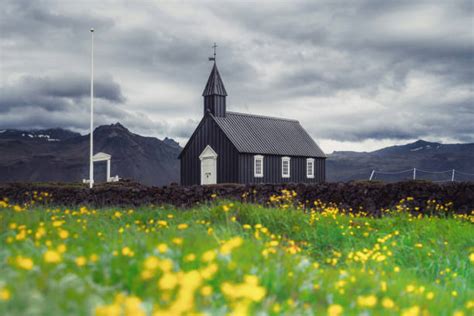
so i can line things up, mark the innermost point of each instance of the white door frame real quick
(208, 159)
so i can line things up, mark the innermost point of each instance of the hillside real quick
(61, 155)
(430, 156)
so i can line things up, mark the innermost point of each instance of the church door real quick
(208, 159)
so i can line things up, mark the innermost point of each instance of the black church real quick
(230, 147)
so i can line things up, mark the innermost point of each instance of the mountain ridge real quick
(29, 157)
(57, 154)
(431, 156)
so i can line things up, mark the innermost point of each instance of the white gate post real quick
(452, 176)
(414, 173)
(108, 170)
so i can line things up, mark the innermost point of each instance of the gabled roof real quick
(214, 85)
(268, 135)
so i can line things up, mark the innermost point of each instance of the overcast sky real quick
(359, 75)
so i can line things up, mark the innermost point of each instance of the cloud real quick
(58, 93)
(365, 72)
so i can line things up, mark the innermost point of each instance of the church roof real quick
(214, 85)
(268, 135)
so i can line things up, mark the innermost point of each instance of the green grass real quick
(305, 264)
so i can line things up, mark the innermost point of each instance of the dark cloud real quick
(56, 94)
(350, 71)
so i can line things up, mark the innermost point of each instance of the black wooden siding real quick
(272, 170)
(227, 160)
(215, 104)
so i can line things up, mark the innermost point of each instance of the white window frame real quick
(283, 160)
(310, 161)
(255, 159)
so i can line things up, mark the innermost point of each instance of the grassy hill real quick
(233, 258)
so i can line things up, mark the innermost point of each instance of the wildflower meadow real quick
(229, 258)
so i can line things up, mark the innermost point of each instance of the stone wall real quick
(371, 196)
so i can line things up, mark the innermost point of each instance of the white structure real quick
(208, 159)
(104, 157)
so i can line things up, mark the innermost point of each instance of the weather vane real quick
(213, 58)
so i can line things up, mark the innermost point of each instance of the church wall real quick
(272, 170)
(227, 161)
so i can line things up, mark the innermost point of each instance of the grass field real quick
(236, 259)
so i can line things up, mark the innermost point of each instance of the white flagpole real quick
(91, 162)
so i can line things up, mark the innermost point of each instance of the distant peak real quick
(419, 144)
(170, 142)
(118, 125)
(114, 126)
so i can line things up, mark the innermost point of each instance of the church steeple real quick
(214, 93)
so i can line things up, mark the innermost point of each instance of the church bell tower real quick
(214, 93)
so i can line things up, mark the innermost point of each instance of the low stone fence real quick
(371, 196)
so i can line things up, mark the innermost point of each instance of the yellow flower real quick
(162, 248)
(52, 256)
(166, 265)
(177, 241)
(168, 281)
(63, 234)
(249, 289)
(225, 208)
(429, 295)
(335, 310)
(396, 269)
(93, 257)
(17, 208)
(5, 294)
(206, 290)
(367, 301)
(412, 311)
(24, 263)
(151, 263)
(471, 257)
(208, 256)
(182, 226)
(108, 310)
(80, 261)
(126, 251)
(229, 245)
(61, 248)
(388, 303)
(57, 223)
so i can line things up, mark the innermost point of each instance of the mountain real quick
(62, 155)
(423, 155)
